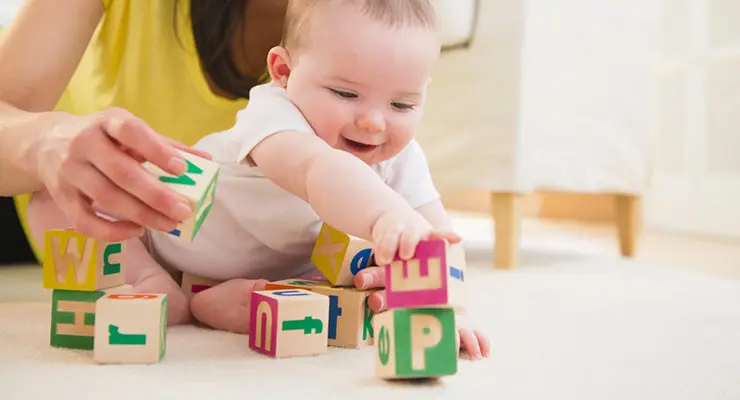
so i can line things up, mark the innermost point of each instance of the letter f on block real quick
(406, 275)
(426, 333)
(263, 327)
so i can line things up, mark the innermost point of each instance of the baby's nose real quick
(371, 122)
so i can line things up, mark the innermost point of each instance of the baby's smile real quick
(359, 147)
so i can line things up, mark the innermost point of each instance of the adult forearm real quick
(19, 133)
(348, 195)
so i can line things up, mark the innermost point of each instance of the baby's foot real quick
(226, 306)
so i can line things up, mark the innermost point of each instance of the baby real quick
(329, 139)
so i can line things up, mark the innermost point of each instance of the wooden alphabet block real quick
(350, 316)
(130, 328)
(192, 284)
(73, 261)
(415, 343)
(198, 184)
(433, 277)
(73, 316)
(288, 323)
(340, 256)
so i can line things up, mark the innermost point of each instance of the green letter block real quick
(415, 343)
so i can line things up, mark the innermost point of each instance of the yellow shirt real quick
(136, 61)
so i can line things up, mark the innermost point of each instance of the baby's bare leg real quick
(226, 306)
(142, 271)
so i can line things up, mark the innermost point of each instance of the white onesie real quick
(255, 229)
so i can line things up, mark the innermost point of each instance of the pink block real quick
(263, 317)
(398, 297)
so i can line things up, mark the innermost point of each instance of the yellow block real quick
(73, 261)
(340, 256)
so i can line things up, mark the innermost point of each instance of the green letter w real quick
(183, 179)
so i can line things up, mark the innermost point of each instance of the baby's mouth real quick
(357, 146)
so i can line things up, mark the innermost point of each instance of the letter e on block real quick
(73, 261)
(432, 277)
(415, 343)
(288, 323)
(131, 328)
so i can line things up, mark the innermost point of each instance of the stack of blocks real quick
(416, 334)
(92, 307)
(302, 317)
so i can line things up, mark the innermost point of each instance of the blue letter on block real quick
(334, 313)
(292, 292)
(360, 261)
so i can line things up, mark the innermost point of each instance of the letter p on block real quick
(415, 343)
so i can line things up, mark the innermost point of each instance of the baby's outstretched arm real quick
(344, 191)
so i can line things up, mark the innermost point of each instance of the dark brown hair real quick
(215, 24)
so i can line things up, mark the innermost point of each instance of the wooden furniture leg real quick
(507, 221)
(629, 223)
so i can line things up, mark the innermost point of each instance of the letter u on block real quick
(263, 324)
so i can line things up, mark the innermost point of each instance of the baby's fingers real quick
(387, 247)
(450, 236)
(408, 242)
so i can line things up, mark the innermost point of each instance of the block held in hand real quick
(433, 277)
(198, 184)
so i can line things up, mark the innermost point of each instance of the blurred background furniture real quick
(536, 95)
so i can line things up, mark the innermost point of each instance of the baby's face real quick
(360, 83)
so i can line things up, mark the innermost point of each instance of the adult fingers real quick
(370, 278)
(132, 178)
(117, 202)
(137, 136)
(181, 146)
(83, 219)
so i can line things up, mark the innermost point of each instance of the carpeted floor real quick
(571, 322)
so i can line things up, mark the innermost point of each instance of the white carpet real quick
(584, 327)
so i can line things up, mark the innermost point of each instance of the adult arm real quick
(84, 161)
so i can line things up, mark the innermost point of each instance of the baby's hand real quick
(399, 232)
(474, 343)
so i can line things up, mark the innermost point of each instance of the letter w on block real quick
(420, 281)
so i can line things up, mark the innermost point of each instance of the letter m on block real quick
(68, 260)
(185, 178)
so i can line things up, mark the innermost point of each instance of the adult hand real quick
(94, 161)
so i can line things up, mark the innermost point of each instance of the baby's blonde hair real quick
(395, 13)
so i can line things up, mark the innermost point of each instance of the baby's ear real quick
(279, 65)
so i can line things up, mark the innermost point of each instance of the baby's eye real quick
(402, 106)
(346, 95)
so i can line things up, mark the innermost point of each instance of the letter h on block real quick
(415, 343)
(73, 261)
(433, 277)
(130, 328)
(288, 323)
(198, 184)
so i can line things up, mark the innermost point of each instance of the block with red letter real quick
(73, 316)
(288, 323)
(350, 316)
(198, 184)
(340, 256)
(73, 261)
(415, 343)
(130, 328)
(433, 277)
(192, 284)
